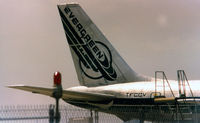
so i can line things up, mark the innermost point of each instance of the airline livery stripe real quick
(82, 57)
(79, 39)
(109, 74)
(72, 41)
(74, 47)
(75, 38)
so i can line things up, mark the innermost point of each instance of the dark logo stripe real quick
(90, 56)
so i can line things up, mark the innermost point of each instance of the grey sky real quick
(150, 35)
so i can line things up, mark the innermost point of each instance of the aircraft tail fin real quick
(96, 61)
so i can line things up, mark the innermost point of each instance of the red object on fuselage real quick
(57, 78)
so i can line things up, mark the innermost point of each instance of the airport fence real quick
(40, 114)
(72, 114)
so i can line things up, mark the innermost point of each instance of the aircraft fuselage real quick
(137, 98)
(138, 90)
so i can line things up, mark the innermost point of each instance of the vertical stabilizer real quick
(95, 59)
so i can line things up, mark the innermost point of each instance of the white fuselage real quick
(143, 89)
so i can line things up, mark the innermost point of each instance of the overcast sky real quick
(150, 35)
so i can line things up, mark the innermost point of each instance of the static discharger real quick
(57, 78)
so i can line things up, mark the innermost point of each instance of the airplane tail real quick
(96, 61)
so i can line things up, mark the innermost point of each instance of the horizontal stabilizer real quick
(67, 94)
(86, 96)
(37, 90)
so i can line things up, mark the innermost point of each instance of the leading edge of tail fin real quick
(95, 59)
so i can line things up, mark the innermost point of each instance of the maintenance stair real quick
(180, 110)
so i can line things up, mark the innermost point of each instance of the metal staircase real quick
(182, 81)
(161, 88)
(180, 110)
(185, 109)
